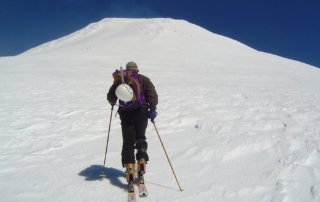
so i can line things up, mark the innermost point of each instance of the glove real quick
(152, 115)
(112, 104)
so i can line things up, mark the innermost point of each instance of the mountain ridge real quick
(132, 28)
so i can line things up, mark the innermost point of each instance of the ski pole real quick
(155, 127)
(105, 155)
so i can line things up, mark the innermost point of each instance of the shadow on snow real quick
(97, 172)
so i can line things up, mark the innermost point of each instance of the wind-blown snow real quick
(239, 125)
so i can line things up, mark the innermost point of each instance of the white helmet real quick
(124, 92)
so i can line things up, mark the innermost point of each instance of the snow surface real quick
(239, 125)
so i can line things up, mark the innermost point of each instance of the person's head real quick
(132, 66)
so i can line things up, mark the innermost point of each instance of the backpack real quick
(131, 78)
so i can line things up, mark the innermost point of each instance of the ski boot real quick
(130, 172)
(130, 176)
(141, 168)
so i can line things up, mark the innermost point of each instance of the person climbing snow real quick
(137, 103)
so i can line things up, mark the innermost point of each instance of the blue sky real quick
(289, 28)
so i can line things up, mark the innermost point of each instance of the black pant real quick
(134, 124)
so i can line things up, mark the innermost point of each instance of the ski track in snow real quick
(244, 136)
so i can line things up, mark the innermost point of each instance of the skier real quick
(134, 121)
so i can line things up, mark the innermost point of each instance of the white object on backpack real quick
(124, 92)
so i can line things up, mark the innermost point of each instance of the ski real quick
(142, 187)
(131, 193)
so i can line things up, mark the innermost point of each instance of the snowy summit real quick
(239, 125)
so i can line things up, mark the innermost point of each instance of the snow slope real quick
(239, 125)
